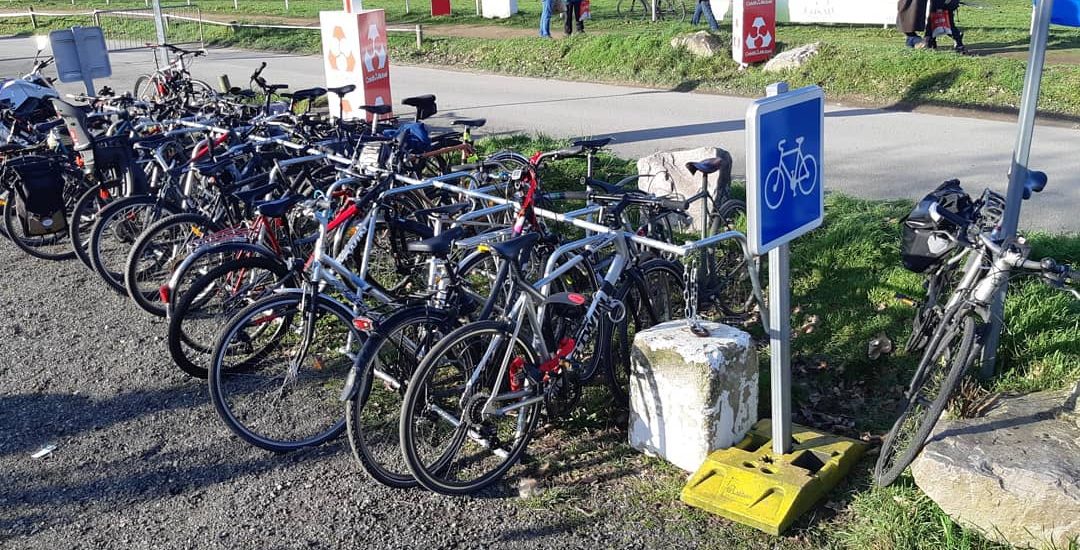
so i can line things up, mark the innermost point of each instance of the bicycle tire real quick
(903, 442)
(84, 215)
(733, 293)
(436, 473)
(373, 413)
(231, 382)
(164, 259)
(141, 86)
(663, 280)
(110, 245)
(190, 353)
(38, 246)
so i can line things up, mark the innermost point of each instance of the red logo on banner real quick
(376, 65)
(755, 30)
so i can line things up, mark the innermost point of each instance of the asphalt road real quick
(870, 153)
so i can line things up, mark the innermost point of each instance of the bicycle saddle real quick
(377, 109)
(306, 93)
(470, 122)
(439, 245)
(445, 210)
(595, 143)
(279, 207)
(516, 247)
(707, 166)
(424, 104)
(342, 90)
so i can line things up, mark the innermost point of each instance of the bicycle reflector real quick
(483, 248)
(163, 293)
(363, 324)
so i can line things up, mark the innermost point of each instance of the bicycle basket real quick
(926, 241)
(39, 195)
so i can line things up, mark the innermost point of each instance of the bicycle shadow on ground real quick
(29, 421)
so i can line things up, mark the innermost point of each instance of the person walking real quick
(704, 7)
(547, 7)
(573, 15)
(911, 18)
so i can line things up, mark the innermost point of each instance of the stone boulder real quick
(1013, 474)
(690, 395)
(701, 44)
(793, 58)
(665, 174)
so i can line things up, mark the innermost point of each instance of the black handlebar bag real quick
(926, 242)
(39, 195)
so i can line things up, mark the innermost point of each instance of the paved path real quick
(869, 152)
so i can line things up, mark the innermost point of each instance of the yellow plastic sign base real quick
(747, 483)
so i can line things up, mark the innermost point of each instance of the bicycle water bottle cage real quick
(1034, 182)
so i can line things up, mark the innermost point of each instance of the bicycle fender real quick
(237, 246)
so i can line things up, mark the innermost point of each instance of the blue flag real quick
(1066, 12)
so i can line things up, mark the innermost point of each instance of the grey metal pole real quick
(780, 347)
(780, 332)
(162, 54)
(1018, 172)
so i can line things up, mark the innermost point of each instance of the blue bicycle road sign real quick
(785, 193)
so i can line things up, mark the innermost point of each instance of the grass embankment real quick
(846, 274)
(861, 64)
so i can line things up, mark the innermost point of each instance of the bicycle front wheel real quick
(157, 252)
(279, 367)
(935, 380)
(460, 437)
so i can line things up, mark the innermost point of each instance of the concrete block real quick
(665, 173)
(691, 395)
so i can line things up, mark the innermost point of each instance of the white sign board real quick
(80, 54)
(869, 12)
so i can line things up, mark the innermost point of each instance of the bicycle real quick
(674, 10)
(956, 343)
(781, 177)
(174, 81)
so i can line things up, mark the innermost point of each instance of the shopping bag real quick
(560, 6)
(585, 13)
(940, 23)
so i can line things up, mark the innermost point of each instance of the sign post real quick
(753, 31)
(786, 198)
(354, 52)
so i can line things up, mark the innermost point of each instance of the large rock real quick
(665, 173)
(701, 44)
(1014, 473)
(691, 395)
(793, 58)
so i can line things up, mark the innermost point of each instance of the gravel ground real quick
(142, 461)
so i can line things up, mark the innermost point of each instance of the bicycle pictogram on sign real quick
(799, 174)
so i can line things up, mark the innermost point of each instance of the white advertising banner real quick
(870, 12)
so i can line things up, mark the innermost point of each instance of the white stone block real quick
(691, 395)
(665, 173)
(498, 9)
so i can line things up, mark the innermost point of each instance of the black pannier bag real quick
(925, 241)
(39, 195)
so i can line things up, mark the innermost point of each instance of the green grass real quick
(846, 273)
(861, 64)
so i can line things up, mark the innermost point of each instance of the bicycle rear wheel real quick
(85, 215)
(453, 442)
(389, 359)
(279, 368)
(729, 287)
(117, 228)
(938, 374)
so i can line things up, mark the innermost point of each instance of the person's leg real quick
(580, 22)
(573, 10)
(697, 13)
(546, 7)
(957, 34)
(709, 17)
